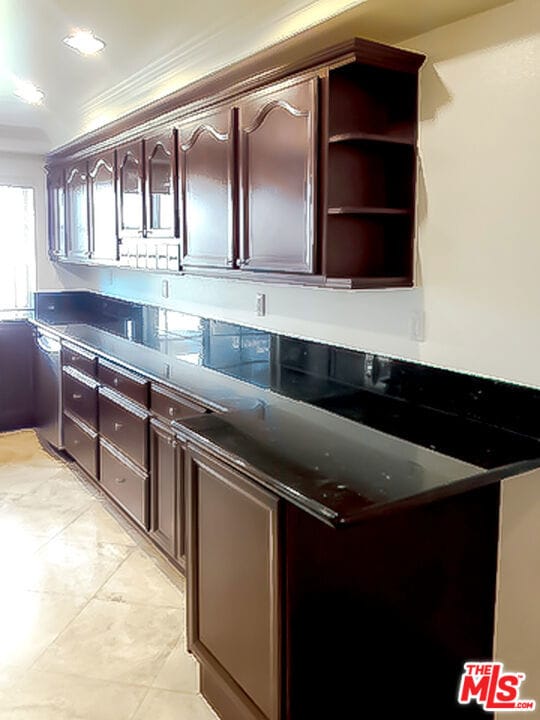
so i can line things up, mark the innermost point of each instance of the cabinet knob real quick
(171, 412)
(115, 382)
(73, 358)
(76, 442)
(77, 396)
(119, 480)
(117, 426)
(174, 443)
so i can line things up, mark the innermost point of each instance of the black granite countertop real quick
(337, 468)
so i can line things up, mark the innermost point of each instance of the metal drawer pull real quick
(171, 412)
(119, 480)
(77, 396)
(76, 442)
(73, 358)
(115, 382)
(172, 443)
(117, 426)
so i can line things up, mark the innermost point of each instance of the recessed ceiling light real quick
(84, 42)
(28, 92)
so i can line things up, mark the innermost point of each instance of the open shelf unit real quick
(369, 151)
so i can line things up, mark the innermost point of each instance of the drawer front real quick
(125, 429)
(128, 486)
(80, 400)
(173, 407)
(79, 359)
(82, 446)
(132, 386)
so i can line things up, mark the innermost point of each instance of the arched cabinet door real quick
(161, 195)
(103, 229)
(207, 175)
(78, 238)
(130, 190)
(278, 180)
(56, 191)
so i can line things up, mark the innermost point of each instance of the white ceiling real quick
(156, 46)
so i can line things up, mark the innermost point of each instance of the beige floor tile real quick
(126, 586)
(61, 491)
(69, 568)
(180, 672)
(30, 621)
(165, 705)
(96, 525)
(9, 675)
(52, 696)
(116, 641)
(21, 516)
(23, 447)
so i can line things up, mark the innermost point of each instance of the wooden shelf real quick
(349, 210)
(373, 281)
(362, 137)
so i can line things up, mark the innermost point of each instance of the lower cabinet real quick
(167, 507)
(233, 582)
(81, 442)
(125, 481)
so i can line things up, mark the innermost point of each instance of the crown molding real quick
(199, 57)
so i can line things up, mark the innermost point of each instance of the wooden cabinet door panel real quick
(207, 169)
(78, 238)
(130, 190)
(167, 490)
(161, 190)
(56, 192)
(278, 151)
(233, 581)
(103, 217)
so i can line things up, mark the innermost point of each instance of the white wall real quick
(479, 222)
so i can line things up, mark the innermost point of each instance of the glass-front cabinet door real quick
(56, 189)
(130, 190)
(104, 245)
(78, 245)
(160, 170)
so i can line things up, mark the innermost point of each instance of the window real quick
(17, 247)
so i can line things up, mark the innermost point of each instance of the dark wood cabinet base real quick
(217, 692)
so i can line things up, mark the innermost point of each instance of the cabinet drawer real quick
(125, 425)
(132, 386)
(79, 359)
(80, 396)
(125, 482)
(170, 406)
(82, 444)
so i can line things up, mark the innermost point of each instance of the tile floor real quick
(91, 617)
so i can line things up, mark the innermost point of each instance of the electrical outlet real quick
(165, 288)
(418, 326)
(260, 305)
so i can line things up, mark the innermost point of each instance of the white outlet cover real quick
(260, 305)
(418, 326)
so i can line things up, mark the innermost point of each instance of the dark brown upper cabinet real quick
(278, 177)
(102, 199)
(161, 193)
(130, 190)
(56, 191)
(303, 172)
(78, 236)
(208, 187)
